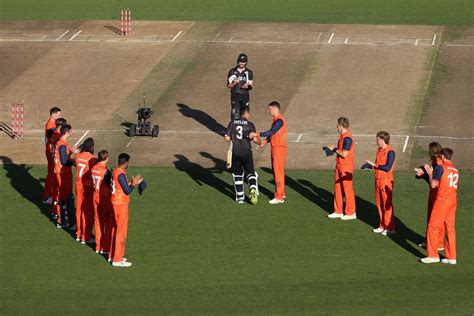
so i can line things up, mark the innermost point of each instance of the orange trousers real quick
(383, 197)
(121, 230)
(49, 181)
(84, 211)
(443, 214)
(343, 189)
(431, 200)
(278, 166)
(104, 223)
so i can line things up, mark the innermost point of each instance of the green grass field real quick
(195, 250)
(433, 12)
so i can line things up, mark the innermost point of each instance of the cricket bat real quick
(229, 154)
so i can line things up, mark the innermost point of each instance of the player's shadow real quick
(25, 184)
(366, 212)
(205, 176)
(202, 117)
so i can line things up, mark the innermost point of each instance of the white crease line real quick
(231, 38)
(62, 35)
(434, 39)
(176, 36)
(346, 41)
(82, 137)
(319, 37)
(330, 39)
(131, 140)
(217, 35)
(75, 35)
(406, 143)
(460, 45)
(299, 137)
(416, 42)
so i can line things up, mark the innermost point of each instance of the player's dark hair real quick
(53, 110)
(343, 121)
(447, 153)
(65, 128)
(60, 122)
(244, 109)
(275, 104)
(123, 158)
(88, 145)
(102, 155)
(433, 149)
(385, 136)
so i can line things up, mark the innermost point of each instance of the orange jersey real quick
(118, 196)
(448, 183)
(380, 160)
(84, 162)
(50, 143)
(101, 187)
(279, 138)
(50, 124)
(58, 167)
(349, 160)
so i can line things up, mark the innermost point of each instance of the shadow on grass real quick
(30, 188)
(366, 212)
(25, 184)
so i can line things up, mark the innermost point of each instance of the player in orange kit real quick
(277, 138)
(384, 166)
(53, 136)
(49, 129)
(344, 172)
(433, 149)
(445, 177)
(63, 173)
(85, 160)
(121, 189)
(103, 212)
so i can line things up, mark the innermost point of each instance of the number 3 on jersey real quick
(453, 180)
(239, 132)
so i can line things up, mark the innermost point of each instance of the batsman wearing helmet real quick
(240, 82)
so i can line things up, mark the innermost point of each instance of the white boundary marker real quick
(299, 137)
(62, 35)
(82, 137)
(347, 40)
(75, 35)
(176, 36)
(406, 143)
(434, 40)
(416, 42)
(330, 39)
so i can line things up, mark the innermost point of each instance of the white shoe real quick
(104, 253)
(122, 264)
(240, 201)
(378, 230)
(335, 215)
(276, 201)
(349, 217)
(387, 232)
(48, 201)
(449, 261)
(440, 248)
(78, 239)
(110, 259)
(429, 260)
